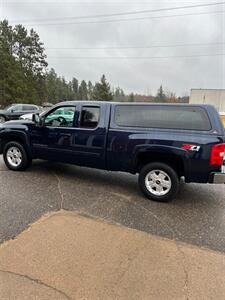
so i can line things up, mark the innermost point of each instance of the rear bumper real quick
(217, 178)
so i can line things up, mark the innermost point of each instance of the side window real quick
(89, 117)
(32, 107)
(28, 107)
(61, 117)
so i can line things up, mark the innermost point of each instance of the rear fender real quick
(162, 150)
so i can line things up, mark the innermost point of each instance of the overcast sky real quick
(142, 75)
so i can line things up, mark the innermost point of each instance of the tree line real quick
(25, 77)
(58, 89)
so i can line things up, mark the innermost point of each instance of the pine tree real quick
(161, 97)
(82, 91)
(51, 86)
(75, 86)
(102, 90)
(90, 90)
(23, 65)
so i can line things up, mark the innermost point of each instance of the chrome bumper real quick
(217, 178)
(223, 167)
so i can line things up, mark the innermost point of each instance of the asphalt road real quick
(197, 216)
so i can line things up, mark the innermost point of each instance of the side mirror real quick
(36, 118)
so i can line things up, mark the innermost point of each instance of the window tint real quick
(89, 117)
(26, 108)
(173, 117)
(61, 117)
(29, 107)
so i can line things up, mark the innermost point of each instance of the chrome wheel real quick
(14, 156)
(2, 119)
(158, 182)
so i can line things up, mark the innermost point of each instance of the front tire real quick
(159, 182)
(15, 156)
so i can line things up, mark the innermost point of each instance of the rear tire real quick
(159, 182)
(15, 157)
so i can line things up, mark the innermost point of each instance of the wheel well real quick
(4, 116)
(172, 160)
(8, 139)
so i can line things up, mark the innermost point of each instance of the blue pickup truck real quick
(160, 142)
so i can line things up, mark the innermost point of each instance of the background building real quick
(210, 96)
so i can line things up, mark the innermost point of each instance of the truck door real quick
(54, 140)
(90, 136)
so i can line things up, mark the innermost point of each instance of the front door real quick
(54, 140)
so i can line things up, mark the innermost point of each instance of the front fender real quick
(12, 135)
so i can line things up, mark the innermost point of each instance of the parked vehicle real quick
(30, 115)
(14, 111)
(162, 143)
(26, 117)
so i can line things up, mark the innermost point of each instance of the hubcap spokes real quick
(14, 156)
(158, 182)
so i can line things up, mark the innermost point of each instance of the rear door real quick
(90, 136)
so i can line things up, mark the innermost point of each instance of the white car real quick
(29, 116)
(26, 117)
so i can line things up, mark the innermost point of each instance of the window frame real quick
(90, 106)
(60, 107)
(113, 120)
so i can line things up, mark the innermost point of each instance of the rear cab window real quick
(162, 116)
(89, 117)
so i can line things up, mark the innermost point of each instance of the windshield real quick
(9, 106)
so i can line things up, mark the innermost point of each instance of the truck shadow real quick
(127, 184)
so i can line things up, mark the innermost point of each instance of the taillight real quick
(187, 146)
(217, 155)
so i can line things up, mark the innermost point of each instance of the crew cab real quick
(161, 142)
